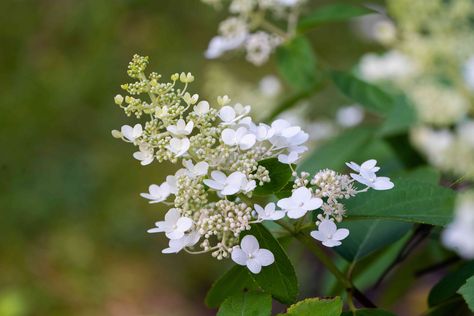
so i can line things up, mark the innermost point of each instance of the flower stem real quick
(327, 262)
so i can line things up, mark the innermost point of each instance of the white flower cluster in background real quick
(431, 60)
(220, 152)
(459, 235)
(251, 27)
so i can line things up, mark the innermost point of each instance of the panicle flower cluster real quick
(431, 58)
(251, 27)
(220, 152)
(459, 235)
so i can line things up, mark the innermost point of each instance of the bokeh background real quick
(73, 235)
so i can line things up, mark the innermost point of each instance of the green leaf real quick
(399, 118)
(279, 278)
(446, 288)
(297, 64)
(247, 304)
(467, 292)
(232, 282)
(422, 174)
(280, 174)
(410, 201)
(332, 13)
(316, 307)
(368, 312)
(366, 94)
(368, 236)
(334, 153)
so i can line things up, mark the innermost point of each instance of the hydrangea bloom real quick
(251, 28)
(221, 153)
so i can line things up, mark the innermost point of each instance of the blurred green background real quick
(73, 235)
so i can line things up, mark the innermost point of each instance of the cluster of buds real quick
(249, 28)
(220, 151)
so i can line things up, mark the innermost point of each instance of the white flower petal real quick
(239, 256)
(264, 257)
(340, 234)
(254, 266)
(327, 227)
(249, 244)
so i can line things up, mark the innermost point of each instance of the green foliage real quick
(331, 13)
(232, 282)
(368, 236)
(447, 287)
(278, 279)
(467, 292)
(280, 174)
(399, 118)
(297, 64)
(247, 304)
(373, 98)
(368, 312)
(316, 307)
(337, 151)
(410, 201)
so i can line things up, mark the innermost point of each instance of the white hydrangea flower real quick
(269, 212)
(250, 254)
(392, 65)
(367, 175)
(299, 203)
(286, 135)
(201, 108)
(181, 128)
(350, 116)
(468, 73)
(270, 86)
(259, 46)
(459, 234)
(229, 114)
(228, 185)
(329, 234)
(145, 155)
(291, 158)
(179, 146)
(195, 170)
(131, 133)
(174, 225)
(157, 193)
(188, 240)
(240, 137)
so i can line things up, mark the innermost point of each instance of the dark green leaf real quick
(279, 279)
(232, 282)
(447, 287)
(368, 312)
(316, 307)
(337, 151)
(366, 94)
(399, 118)
(297, 64)
(367, 236)
(280, 174)
(332, 13)
(467, 292)
(247, 304)
(422, 174)
(410, 201)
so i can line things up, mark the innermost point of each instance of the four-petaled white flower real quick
(230, 114)
(179, 146)
(229, 185)
(174, 225)
(292, 157)
(157, 193)
(201, 108)
(145, 155)
(188, 240)
(367, 175)
(263, 132)
(249, 254)
(269, 212)
(131, 133)
(300, 202)
(240, 137)
(195, 170)
(181, 128)
(286, 135)
(328, 233)
(367, 166)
